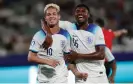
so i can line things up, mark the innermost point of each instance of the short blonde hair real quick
(52, 5)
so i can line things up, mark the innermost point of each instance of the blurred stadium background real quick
(20, 19)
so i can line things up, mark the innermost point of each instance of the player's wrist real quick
(78, 56)
(124, 31)
(45, 61)
(48, 34)
(76, 72)
(112, 76)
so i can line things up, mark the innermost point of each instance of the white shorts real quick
(59, 80)
(94, 80)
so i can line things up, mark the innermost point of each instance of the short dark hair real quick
(83, 5)
(100, 22)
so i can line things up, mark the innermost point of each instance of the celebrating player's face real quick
(81, 14)
(52, 17)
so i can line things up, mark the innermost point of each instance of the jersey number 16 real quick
(75, 42)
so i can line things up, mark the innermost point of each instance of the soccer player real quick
(109, 35)
(88, 47)
(51, 63)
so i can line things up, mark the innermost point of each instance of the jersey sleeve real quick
(108, 55)
(37, 41)
(67, 47)
(66, 25)
(99, 37)
(34, 46)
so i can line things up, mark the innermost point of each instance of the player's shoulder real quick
(65, 22)
(107, 30)
(94, 28)
(67, 25)
(39, 34)
(64, 32)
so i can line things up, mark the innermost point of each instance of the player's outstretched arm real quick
(118, 33)
(32, 57)
(98, 55)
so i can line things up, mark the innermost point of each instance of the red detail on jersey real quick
(108, 37)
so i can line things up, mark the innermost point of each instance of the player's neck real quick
(83, 26)
(55, 29)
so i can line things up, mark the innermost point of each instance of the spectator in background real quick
(109, 35)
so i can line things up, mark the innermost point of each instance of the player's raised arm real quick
(118, 33)
(48, 40)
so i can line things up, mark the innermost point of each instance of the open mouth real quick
(52, 20)
(80, 17)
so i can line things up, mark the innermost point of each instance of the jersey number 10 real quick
(49, 51)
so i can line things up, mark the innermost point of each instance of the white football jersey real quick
(108, 55)
(60, 45)
(84, 41)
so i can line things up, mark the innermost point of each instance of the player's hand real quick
(80, 75)
(48, 40)
(72, 56)
(45, 27)
(53, 63)
(124, 31)
(111, 79)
